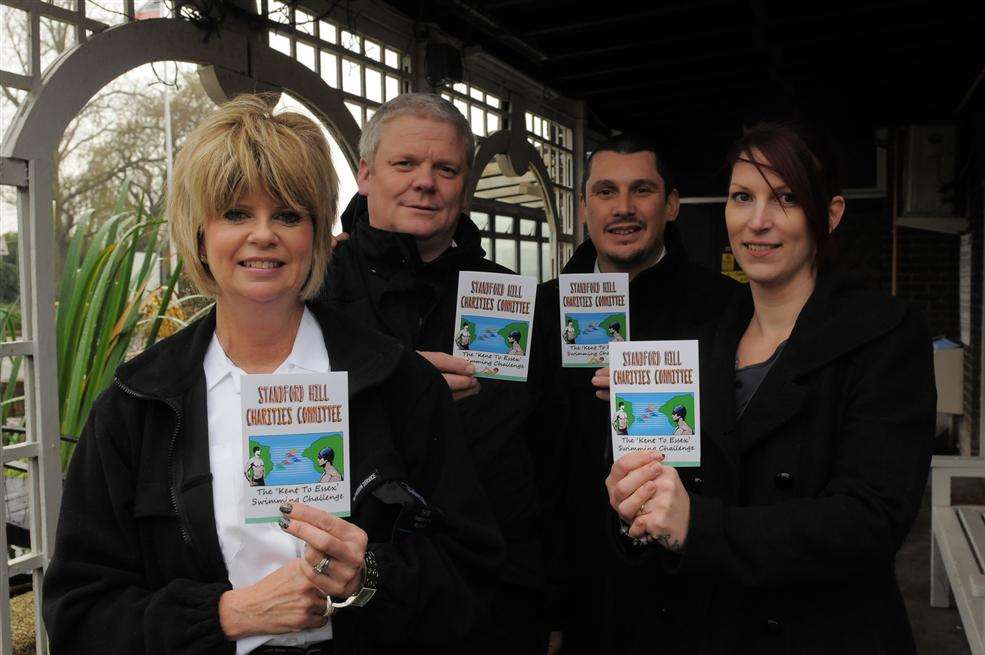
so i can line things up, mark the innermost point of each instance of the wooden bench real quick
(957, 547)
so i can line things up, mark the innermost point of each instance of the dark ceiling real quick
(697, 71)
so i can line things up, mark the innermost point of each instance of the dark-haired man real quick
(628, 203)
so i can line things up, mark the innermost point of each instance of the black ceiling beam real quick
(650, 44)
(500, 32)
(628, 17)
(658, 64)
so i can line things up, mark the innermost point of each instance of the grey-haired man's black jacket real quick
(379, 277)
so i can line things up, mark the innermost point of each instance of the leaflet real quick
(295, 443)
(654, 403)
(494, 323)
(594, 312)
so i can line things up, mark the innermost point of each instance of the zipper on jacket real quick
(185, 534)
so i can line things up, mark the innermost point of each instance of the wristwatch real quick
(371, 582)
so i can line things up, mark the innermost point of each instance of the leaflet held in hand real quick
(494, 323)
(594, 312)
(295, 443)
(654, 401)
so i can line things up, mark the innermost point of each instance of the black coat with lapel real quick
(596, 592)
(800, 505)
(137, 566)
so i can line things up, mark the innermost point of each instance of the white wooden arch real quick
(229, 64)
(515, 156)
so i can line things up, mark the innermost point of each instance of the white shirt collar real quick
(308, 354)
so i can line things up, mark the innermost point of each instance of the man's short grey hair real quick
(421, 105)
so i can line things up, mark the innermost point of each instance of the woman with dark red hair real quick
(819, 410)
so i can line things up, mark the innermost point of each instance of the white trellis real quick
(235, 63)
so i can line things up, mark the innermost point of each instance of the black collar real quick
(398, 251)
(170, 367)
(585, 255)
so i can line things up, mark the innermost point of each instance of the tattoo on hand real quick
(673, 545)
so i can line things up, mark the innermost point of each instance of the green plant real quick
(98, 308)
(9, 330)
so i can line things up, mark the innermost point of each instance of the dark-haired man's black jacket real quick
(379, 277)
(601, 596)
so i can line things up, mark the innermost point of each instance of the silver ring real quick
(321, 566)
(642, 509)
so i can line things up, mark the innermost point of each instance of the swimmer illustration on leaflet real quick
(594, 312)
(494, 323)
(295, 443)
(654, 400)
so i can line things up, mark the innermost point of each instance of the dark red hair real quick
(812, 184)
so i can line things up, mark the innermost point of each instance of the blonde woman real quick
(152, 555)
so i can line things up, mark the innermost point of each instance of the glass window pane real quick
(66, 4)
(329, 69)
(492, 122)
(304, 21)
(506, 253)
(545, 229)
(446, 97)
(487, 246)
(279, 42)
(373, 50)
(492, 101)
(504, 224)
(392, 87)
(528, 227)
(391, 58)
(478, 121)
(306, 54)
(8, 107)
(327, 31)
(279, 11)
(356, 111)
(14, 48)
(461, 88)
(350, 41)
(105, 12)
(56, 38)
(369, 114)
(528, 258)
(476, 93)
(545, 262)
(352, 79)
(481, 220)
(530, 121)
(462, 106)
(374, 85)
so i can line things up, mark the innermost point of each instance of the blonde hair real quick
(245, 148)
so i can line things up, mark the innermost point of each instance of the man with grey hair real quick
(409, 237)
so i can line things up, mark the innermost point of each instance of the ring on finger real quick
(329, 608)
(642, 509)
(322, 565)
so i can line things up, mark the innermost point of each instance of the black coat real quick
(667, 301)
(378, 277)
(137, 566)
(799, 507)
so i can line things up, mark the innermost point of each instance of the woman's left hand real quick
(650, 498)
(329, 536)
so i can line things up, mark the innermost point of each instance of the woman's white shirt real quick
(252, 551)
